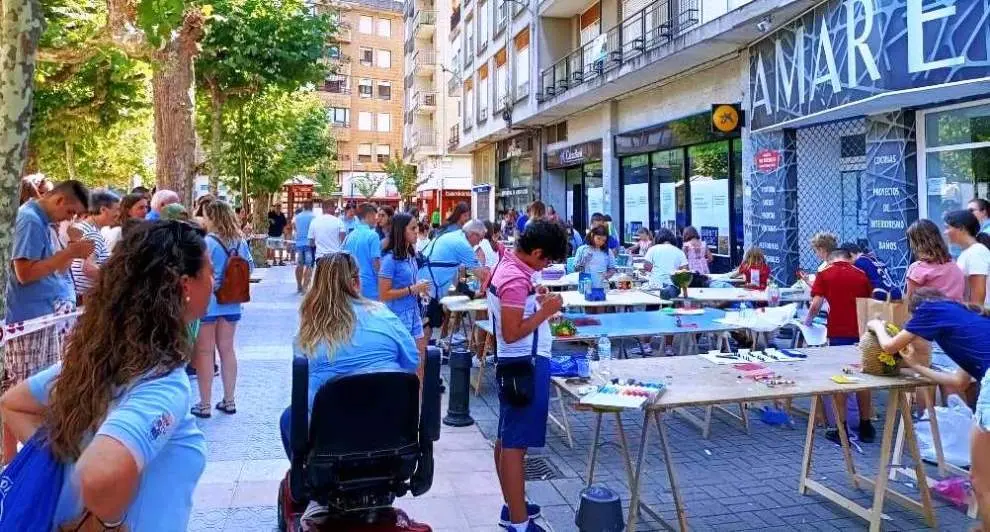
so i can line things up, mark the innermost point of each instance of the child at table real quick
(696, 250)
(520, 314)
(594, 257)
(839, 284)
(754, 269)
(644, 241)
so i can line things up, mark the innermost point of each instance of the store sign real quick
(767, 160)
(457, 193)
(575, 155)
(843, 51)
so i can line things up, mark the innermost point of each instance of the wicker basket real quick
(869, 348)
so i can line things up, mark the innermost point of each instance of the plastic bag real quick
(954, 425)
(956, 490)
(563, 366)
(30, 487)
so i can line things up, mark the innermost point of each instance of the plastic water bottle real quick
(604, 356)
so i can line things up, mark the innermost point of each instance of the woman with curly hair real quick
(116, 409)
(217, 328)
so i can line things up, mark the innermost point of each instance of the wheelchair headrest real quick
(365, 413)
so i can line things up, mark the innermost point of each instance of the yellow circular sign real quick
(725, 118)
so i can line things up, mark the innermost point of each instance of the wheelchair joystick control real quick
(458, 407)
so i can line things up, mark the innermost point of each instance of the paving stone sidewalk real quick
(733, 481)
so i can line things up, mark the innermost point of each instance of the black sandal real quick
(201, 411)
(227, 407)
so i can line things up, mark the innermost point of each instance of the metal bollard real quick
(458, 407)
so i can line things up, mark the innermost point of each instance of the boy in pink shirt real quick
(520, 314)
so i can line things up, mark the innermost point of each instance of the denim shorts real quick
(230, 318)
(981, 416)
(305, 258)
(524, 427)
(413, 321)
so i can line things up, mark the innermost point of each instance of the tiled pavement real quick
(733, 481)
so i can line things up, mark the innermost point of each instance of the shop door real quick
(574, 208)
(709, 189)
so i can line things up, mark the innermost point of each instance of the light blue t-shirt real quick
(152, 421)
(350, 223)
(445, 255)
(219, 257)
(380, 342)
(33, 241)
(302, 221)
(364, 245)
(403, 275)
(598, 261)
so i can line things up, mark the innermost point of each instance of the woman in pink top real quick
(934, 266)
(698, 254)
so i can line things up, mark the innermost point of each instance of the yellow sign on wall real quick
(726, 118)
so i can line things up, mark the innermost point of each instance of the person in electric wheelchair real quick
(354, 433)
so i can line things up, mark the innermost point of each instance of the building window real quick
(556, 133)
(384, 122)
(483, 93)
(521, 65)
(501, 80)
(385, 90)
(364, 88)
(384, 27)
(956, 158)
(468, 106)
(339, 116)
(364, 153)
(364, 121)
(337, 84)
(483, 25)
(333, 51)
(384, 152)
(365, 25)
(384, 59)
(367, 56)
(468, 42)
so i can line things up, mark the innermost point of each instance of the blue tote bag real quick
(30, 487)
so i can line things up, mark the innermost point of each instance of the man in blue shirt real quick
(300, 226)
(349, 218)
(445, 256)
(39, 283)
(159, 201)
(363, 243)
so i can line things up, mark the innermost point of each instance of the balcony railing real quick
(455, 137)
(423, 138)
(424, 58)
(644, 31)
(424, 101)
(425, 20)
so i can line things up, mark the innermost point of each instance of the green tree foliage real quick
(273, 137)
(368, 184)
(252, 46)
(403, 176)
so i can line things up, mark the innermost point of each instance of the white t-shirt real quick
(491, 256)
(326, 231)
(111, 235)
(665, 259)
(975, 260)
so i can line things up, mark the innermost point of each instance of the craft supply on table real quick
(623, 395)
(745, 355)
(689, 311)
(845, 379)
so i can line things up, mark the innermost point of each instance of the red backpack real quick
(236, 284)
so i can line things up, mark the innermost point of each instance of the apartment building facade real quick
(364, 95)
(758, 122)
(431, 121)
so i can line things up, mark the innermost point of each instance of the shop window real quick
(667, 194)
(635, 195)
(957, 158)
(594, 191)
(708, 171)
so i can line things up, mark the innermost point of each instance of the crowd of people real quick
(112, 400)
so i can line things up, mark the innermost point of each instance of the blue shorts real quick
(524, 427)
(231, 318)
(413, 322)
(306, 255)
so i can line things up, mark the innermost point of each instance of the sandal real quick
(201, 410)
(227, 407)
